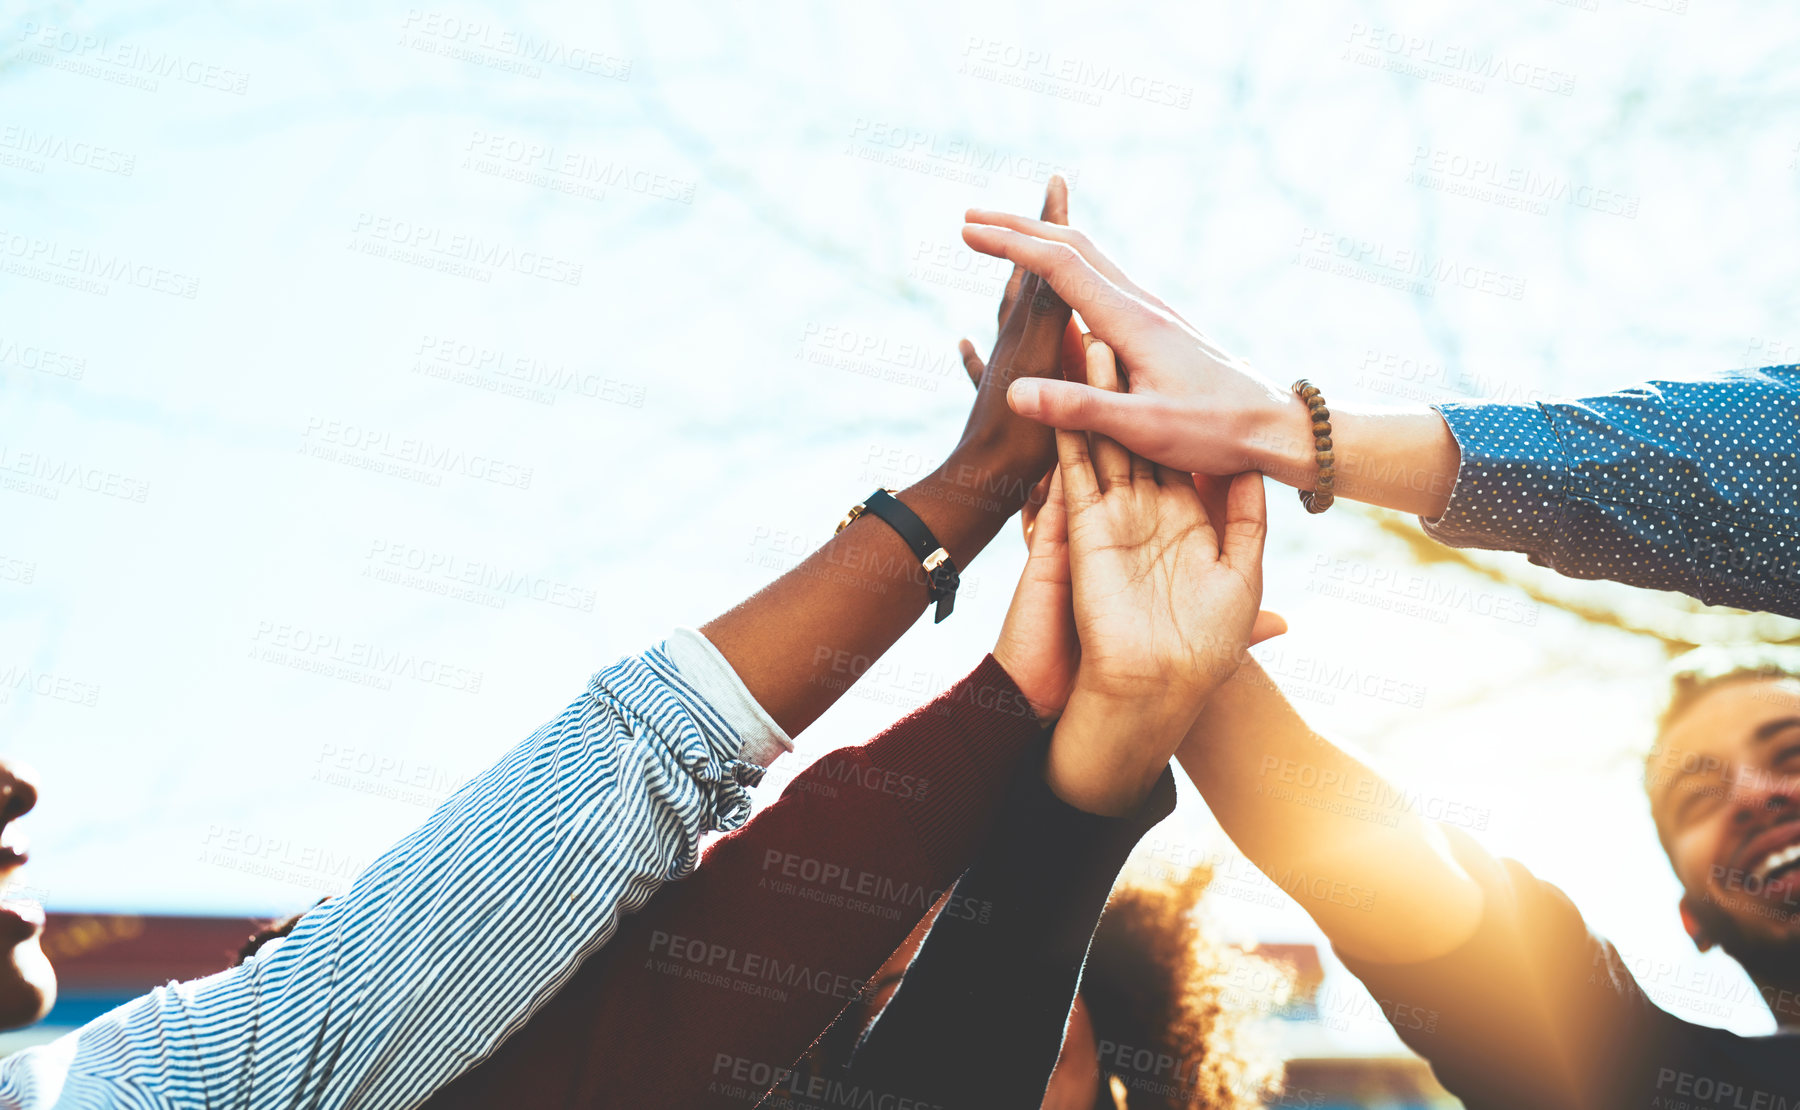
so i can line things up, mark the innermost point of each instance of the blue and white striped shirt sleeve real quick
(1671, 485)
(454, 936)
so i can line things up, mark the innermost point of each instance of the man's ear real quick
(1690, 920)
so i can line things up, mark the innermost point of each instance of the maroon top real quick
(707, 996)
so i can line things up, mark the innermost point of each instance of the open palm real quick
(1165, 595)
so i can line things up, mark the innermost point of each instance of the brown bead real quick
(1327, 460)
(1322, 443)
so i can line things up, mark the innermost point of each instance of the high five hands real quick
(1192, 406)
(1137, 599)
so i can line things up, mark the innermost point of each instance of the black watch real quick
(941, 576)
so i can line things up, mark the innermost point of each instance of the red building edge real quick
(127, 954)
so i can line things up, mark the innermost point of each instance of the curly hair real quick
(1171, 1029)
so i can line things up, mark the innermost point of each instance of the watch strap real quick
(941, 575)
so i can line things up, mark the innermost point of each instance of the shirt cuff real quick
(707, 671)
(1510, 488)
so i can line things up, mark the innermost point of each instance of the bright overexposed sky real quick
(309, 507)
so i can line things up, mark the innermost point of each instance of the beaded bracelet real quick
(1320, 497)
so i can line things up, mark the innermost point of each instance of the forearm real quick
(1094, 776)
(978, 1019)
(1379, 880)
(827, 880)
(1668, 485)
(799, 643)
(1398, 458)
(569, 833)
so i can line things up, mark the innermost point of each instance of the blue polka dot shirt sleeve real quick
(1671, 485)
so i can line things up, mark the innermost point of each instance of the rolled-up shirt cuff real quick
(1512, 484)
(713, 678)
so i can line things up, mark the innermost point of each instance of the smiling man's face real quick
(27, 983)
(1725, 793)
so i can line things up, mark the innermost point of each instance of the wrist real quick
(1278, 441)
(989, 477)
(1107, 752)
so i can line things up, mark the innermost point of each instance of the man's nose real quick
(18, 791)
(1757, 797)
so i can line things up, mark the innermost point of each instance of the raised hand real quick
(1037, 644)
(1165, 599)
(1036, 340)
(1192, 406)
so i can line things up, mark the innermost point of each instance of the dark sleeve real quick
(1533, 1011)
(707, 996)
(978, 1019)
(1672, 485)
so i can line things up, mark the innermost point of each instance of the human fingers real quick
(971, 362)
(1112, 463)
(1109, 309)
(1055, 211)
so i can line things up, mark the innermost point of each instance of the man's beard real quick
(1770, 960)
